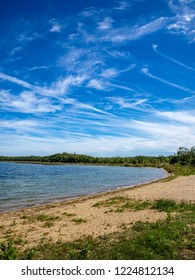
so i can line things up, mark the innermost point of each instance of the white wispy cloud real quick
(25, 38)
(44, 67)
(82, 61)
(15, 80)
(123, 55)
(56, 28)
(74, 56)
(128, 68)
(109, 73)
(187, 117)
(184, 21)
(186, 1)
(171, 134)
(15, 50)
(97, 84)
(122, 5)
(105, 24)
(147, 73)
(20, 125)
(63, 85)
(30, 102)
(125, 34)
(155, 48)
(46, 146)
(113, 72)
(121, 86)
(87, 107)
(189, 100)
(59, 87)
(156, 138)
(137, 104)
(27, 102)
(88, 12)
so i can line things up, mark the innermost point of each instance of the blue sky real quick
(103, 78)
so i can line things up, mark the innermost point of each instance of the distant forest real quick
(184, 156)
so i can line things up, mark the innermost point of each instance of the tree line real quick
(85, 159)
(184, 156)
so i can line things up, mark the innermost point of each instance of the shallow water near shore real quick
(25, 185)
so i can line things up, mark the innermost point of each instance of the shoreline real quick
(88, 196)
(93, 215)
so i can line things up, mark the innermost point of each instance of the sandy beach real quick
(91, 215)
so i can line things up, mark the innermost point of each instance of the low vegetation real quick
(120, 203)
(8, 251)
(168, 205)
(40, 217)
(172, 238)
(79, 220)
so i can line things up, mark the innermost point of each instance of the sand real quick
(68, 221)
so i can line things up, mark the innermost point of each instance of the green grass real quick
(167, 239)
(165, 205)
(110, 202)
(8, 251)
(79, 220)
(46, 218)
(178, 170)
(168, 205)
(69, 214)
(134, 205)
(120, 204)
(172, 238)
(40, 217)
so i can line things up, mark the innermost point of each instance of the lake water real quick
(24, 185)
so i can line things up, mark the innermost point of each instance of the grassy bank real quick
(171, 238)
(179, 170)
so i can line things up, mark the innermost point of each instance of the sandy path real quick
(66, 221)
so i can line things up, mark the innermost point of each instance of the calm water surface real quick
(23, 185)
